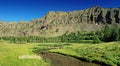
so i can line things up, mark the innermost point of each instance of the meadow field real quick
(19, 55)
(104, 53)
(27, 54)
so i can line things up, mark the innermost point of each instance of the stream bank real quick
(62, 60)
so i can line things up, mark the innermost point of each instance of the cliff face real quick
(92, 15)
(58, 23)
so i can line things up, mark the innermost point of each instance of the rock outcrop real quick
(58, 23)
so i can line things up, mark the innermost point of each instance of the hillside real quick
(58, 23)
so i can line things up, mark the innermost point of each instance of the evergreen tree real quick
(119, 33)
(107, 34)
(115, 33)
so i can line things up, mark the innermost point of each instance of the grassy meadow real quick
(10, 55)
(104, 53)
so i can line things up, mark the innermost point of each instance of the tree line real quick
(72, 37)
(110, 33)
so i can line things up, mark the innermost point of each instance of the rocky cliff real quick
(58, 23)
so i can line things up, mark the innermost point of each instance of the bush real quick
(96, 40)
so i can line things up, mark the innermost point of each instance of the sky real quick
(16, 10)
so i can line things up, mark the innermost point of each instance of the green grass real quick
(107, 53)
(49, 46)
(10, 53)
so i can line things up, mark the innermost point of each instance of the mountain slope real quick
(58, 23)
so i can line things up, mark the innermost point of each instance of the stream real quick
(62, 60)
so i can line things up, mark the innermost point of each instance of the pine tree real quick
(107, 34)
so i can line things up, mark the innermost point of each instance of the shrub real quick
(96, 40)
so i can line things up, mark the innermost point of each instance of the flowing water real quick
(62, 60)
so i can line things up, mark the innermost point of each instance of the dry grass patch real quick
(29, 57)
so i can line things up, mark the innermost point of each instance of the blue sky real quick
(16, 10)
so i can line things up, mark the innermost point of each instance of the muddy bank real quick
(61, 60)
